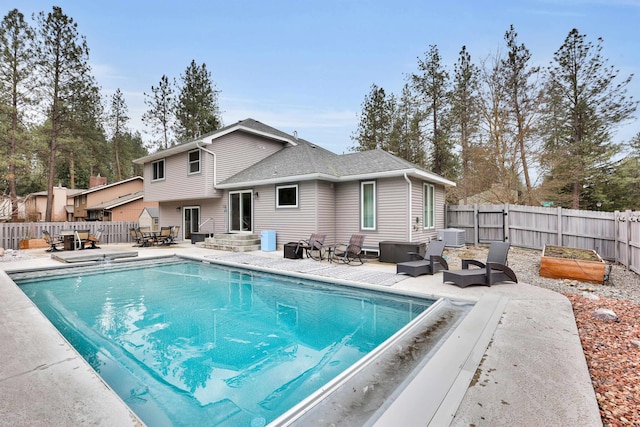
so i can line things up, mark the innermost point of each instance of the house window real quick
(77, 199)
(158, 170)
(287, 196)
(429, 206)
(194, 161)
(368, 205)
(83, 199)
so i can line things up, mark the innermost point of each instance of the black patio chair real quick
(493, 271)
(430, 263)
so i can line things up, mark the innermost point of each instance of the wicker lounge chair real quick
(429, 264)
(314, 247)
(351, 252)
(493, 271)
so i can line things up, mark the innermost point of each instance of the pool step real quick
(232, 242)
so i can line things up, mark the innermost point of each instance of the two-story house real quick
(248, 177)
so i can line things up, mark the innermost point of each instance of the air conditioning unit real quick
(453, 237)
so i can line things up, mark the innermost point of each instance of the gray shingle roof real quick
(301, 160)
(308, 161)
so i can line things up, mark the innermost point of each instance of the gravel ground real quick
(611, 346)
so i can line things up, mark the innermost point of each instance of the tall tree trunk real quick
(72, 171)
(575, 195)
(51, 177)
(116, 149)
(12, 156)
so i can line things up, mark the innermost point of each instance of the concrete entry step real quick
(232, 242)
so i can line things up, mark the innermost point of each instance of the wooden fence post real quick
(476, 226)
(628, 237)
(559, 226)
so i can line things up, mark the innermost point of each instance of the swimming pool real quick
(176, 355)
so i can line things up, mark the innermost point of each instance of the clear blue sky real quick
(307, 65)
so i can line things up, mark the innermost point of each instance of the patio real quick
(533, 371)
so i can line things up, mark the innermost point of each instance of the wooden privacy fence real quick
(614, 235)
(113, 231)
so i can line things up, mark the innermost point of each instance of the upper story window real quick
(287, 196)
(77, 199)
(429, 205)
(157, 168)
(194, 161)
(83, 199)
(368, 205)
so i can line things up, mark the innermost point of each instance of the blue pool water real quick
(188, 343)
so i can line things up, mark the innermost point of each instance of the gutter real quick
(406, 178)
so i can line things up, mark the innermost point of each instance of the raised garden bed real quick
(32, 244)
(585, 265)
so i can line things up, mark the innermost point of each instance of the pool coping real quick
(550, 385)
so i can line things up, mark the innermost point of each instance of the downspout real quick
(410, 223)
(215, 164)
(215, 182)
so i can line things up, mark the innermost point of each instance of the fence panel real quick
(535, 226)
(113, 231)
(532, 226)
(628, 243)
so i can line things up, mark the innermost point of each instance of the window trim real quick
(281, 187)
(153, 170)
(428, 206)
(362, 205)
(190, 162)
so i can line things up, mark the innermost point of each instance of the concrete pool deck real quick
(533, 371)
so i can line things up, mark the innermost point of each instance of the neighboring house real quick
(61, 209)
(98, 203)
(6, 206)
(149, 217)
(249, 177)
(496, 195)
(124, 208)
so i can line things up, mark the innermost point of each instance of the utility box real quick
(292, 251)
(399, 251)
(268, 240)
(453, 237)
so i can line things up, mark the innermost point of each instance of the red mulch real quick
(612, 357)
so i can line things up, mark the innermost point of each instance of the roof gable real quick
(248, 125)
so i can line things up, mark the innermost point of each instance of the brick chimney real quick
(96, 181)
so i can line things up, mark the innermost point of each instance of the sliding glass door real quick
(241, 211)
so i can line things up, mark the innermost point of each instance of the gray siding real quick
(239, 150)
(211, 214)
(393, 219)
(293, 224)
(177, 183)
(234, 153)
(419, 233)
